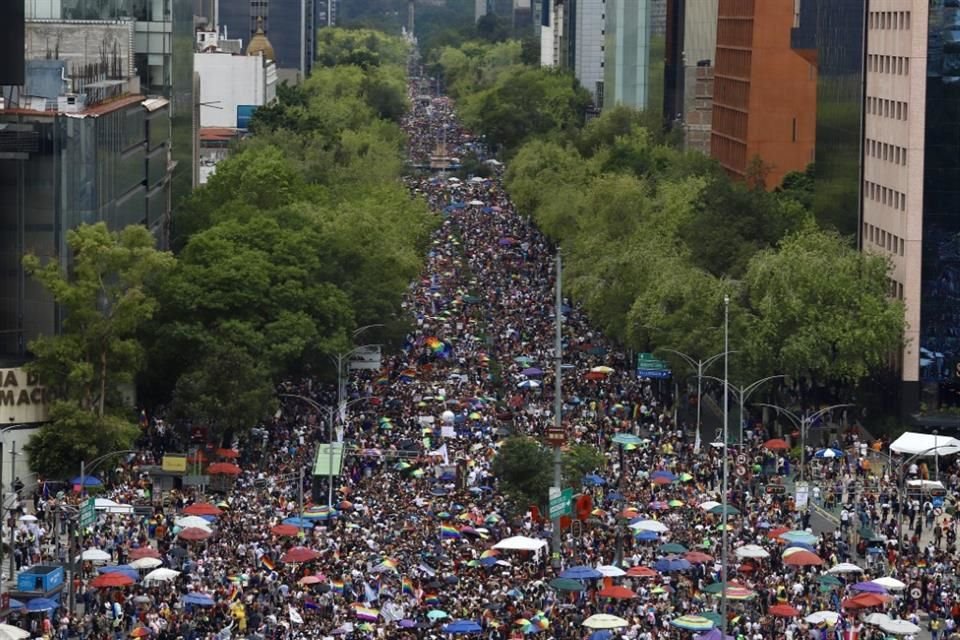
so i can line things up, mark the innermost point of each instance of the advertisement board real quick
(23, 400)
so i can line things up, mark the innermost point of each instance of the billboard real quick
(244, 114)
(23, 400)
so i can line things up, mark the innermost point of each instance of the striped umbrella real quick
(692, 623)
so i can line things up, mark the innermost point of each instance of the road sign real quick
(88, 512)
(556, 437)
(802, 496)
(650, 367)
(775, 489)
(561, 502)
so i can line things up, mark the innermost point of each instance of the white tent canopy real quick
(926, 444)
(521, 543)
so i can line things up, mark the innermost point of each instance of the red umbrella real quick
(284, 530)
(195, 534)
(144, 552)
(698, 557)
(311, 580)
(107, 580)
(224, 469)
(595, 375)
(803, 559)
(300, 554)
(661, 480)
(864, 601)
(202, 509)
(618, 592)
(777, 532)
(776, 444)
(641, 572)
(783, 611)
(229, 454)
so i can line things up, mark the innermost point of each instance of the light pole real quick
(726, 465)
(3, 510)
(700, 366)
(803, 424)
(558, 404)
(339, 359)
(743, 393)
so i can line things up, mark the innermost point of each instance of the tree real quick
(579, 460)
(816, 307)
(106, 291)
(524, 469)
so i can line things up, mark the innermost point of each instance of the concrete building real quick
(551, 34)
(589, 21)
(764, 93)
(290, 25)
(698, 116)
(690, 49)
(634, 49)
(232, 85)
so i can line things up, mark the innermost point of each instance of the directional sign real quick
(560, 502)
(88, 512)
(650, 367)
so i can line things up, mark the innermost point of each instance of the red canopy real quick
(300, 554)
(864, 601)
(783, 611)
(777, 532)
(284, 530)
(641, 572)
(803, 559)
(107, 580)
(202, 509)
(195, 534)
(776, 444)
(223, 468)
(618, 592)
(698, 557)
(229, 454)
(144, 552)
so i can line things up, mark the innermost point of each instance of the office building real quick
(634, 49)
(690, 48)
(81, 145)
(764, 93)
(586, 42)
(290, 25)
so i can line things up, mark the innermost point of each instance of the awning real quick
(925, 444)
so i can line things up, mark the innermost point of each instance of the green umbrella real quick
(731, 511)
(830, 580)
(672, 547)
(437, 614)
(716, 587)
(566, 584)
(713, 617)
(626, 438)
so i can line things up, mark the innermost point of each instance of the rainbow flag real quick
(431, 599)
(366, 613)
(234, 593)
(406, 586)
(337, 586)
(267, 563)
(449, 532)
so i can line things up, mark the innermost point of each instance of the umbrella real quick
(28, 518)
(828, 453)
(671, 547)
(16, 605)
(285, 530)
(192, 521)
(650, 525)
(798, 536)
(663, 475)
(697, 557)
(720, 508)
(783, 611)
(610, 571)
(437, 614)
(617, 592)
(462, 626)
(108, 580)
(198, 599)
(532, 372)
(803, 559)
(709, 504)
(299, 554)
(146, 563)
(320, 512)
(529, 384)
(86, 481)
(144, 552)
(301, 523)
(140, 632)
(829, 580)
(869, 587)
(95, 555)
(161, 575)
(751, 551)
(604, 621)
(194, 534)
(581, 573)
(41, 604)
(647, 536)
(202, 509)
(668, 565)
(601, 369)
(224, 469)
(641, 572)
(718, 587)
(864, 601)
(845, 567)
(739, 593)
(819, 617)
(776, 444)
(889, 583)
(876, 618)
(592, 480)
(229, 454)
(626, 439)
(310, 580)
(692, 623)
(10, 632)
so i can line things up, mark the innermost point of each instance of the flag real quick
(367, 614)
(233, 593)
(432, 599)
(369, 595)
(427, 569)
(295, 616)
(443, 453)
(449, 532)
(267, 563)
(406, 586)
(696, 443)
(337, 586)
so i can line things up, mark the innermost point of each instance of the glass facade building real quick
(635, 50)
(289, 24)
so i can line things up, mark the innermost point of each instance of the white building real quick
(231, 81)
(589, 44)
(551, 36)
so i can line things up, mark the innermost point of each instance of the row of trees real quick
(302, 235)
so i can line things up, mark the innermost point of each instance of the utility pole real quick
(726, 465)
(558, 405)
(13, 463)
(300, 492)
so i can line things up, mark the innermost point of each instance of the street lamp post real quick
(743, 393)
(3, 510)
(726, 436)
(803, 424)
(339, 360)
(700, 366)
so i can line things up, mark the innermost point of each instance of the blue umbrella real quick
(87, 481)
(602, 634)
(828, 453)
(581, 573)
(303, 523)
(198, 599)
(532, 372)
(118, 568)
(16, 604)
(666, 475)
(41, 604)
(647, 536)
(462, 626)
(615, 496)
(667, 565)
(592, 480)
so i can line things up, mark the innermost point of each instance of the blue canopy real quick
(581, 573)
(666, 565)
(462, 626)
(198, 599)
(299, 522)
(87, 481)
(41, 604)
(592, 479)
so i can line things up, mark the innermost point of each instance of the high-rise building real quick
(588, 21)
(690, 49)
(291, 26)
(764, 93)
(635, 49)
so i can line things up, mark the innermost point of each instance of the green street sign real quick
(561, 502)
(88, 512)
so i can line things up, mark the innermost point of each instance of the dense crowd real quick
(408, 549)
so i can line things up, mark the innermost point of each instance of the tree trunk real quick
(103, 382)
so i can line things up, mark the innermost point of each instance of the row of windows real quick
(887, 108)
(730, 122)
(736, 32)
(730, 92)
(887, 152)
(889, 20)
(885, 195)
(735, 8)
(894, 289)
(733, 62)
(899, 65)
(883, 239)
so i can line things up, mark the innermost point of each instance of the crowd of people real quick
(412, 546)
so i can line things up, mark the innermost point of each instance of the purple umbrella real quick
(506, 241)
(532, 372)
(713, 634)
(869, 587)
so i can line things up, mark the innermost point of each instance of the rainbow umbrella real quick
(322, 512)
(692, 623)
(675, 503)
(739, 593)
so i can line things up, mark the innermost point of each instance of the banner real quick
(23, 399)
(329, 460)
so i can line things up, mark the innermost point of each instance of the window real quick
(794, 129)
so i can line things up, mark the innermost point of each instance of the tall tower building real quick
(634, 49)
(290, 25)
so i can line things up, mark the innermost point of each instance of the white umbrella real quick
(899, 627)
(476, 203)
(889, 583)
(521, 543)
(845, 567)
(876, 618)
(146, 563)
(10, 632)
(751, 551)
(95, 555)
(709, 504)
(650, 525)
(610, 571)
(605, 621)
(28, 518)
(192, 521)
(161, 575)
(453, 179)
(818, 617)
